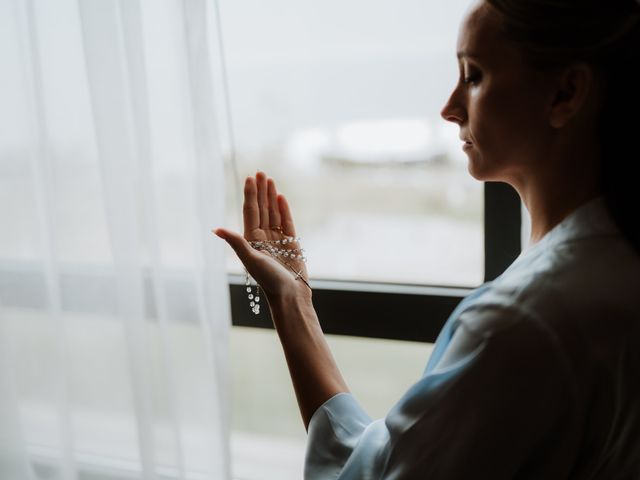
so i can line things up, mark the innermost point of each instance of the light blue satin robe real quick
(534, 376)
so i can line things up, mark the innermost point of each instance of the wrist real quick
(295, 319)
(295, 296)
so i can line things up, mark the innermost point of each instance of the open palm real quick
(274, 260)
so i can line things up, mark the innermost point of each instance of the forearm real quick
(313, 370)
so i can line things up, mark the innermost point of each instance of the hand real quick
(263, 210)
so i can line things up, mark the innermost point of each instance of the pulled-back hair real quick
(606, 35)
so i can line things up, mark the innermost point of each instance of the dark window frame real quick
(400, 311)
(362, 309)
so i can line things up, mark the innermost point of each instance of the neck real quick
(546, 212)
(561, 165)
(551, 195)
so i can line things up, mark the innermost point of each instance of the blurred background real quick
(339, 101)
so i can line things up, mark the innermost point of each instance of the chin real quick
(483, 171)
(476, 171)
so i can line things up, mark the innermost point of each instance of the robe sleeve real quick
(501, 386)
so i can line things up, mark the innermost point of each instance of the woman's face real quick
(498, 101)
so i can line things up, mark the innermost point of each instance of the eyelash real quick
(471, 79)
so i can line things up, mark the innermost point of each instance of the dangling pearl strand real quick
(278, 252)
(254, 300)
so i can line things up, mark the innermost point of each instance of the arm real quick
(313, 370)
(499, 399)
(499, 403)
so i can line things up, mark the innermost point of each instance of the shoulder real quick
(563, 299)
(496, 335)
(581, 278)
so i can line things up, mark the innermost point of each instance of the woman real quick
(535, 374)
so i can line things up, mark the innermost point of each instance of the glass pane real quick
(268, 437)
(340, 102)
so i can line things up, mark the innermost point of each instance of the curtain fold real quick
(114, 312)
(42, 175)
(14, 462)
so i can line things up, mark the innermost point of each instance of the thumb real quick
(237, 242)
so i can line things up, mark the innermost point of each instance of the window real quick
(339, 102)
(268, 434)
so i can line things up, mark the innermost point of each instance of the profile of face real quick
(498, 102)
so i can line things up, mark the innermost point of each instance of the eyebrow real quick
(466, 53)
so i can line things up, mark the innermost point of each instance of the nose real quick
(453, 111)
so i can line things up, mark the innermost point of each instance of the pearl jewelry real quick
(279, 254)
(253, 300)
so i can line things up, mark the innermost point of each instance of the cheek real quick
(502, 127)
(500, 121)
(487, 122)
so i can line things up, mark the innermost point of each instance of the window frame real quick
(362, 309)
(401, 311)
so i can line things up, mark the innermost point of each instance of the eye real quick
(471, 79)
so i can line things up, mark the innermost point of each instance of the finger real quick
(243, 250)
(263, 200)
(286, 218)
(274, 212)
(250, 211)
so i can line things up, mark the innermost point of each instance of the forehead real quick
(480, 36)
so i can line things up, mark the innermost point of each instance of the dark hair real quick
(606, 35)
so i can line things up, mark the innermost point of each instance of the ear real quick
(574, 92)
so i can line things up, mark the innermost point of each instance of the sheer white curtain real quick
(114, 313)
